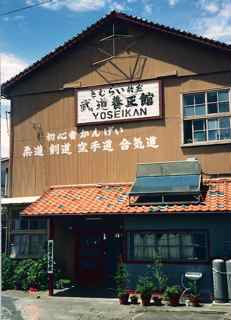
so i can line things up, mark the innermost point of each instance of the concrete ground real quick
(18, 305)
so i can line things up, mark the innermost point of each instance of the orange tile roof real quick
(113, 199)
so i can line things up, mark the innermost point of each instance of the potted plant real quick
(157, 299)
(194, 296)
(134, 299)
(160, 279)
(172, 295)
(121, 283)
(145, 287)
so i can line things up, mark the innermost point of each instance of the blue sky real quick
(30, 34)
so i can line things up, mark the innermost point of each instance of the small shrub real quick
(8, 268)
(160, 279)
(28, 273)
(145, 286)
(172, 292)
(22, 274)
(121, 279)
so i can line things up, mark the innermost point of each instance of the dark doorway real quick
(98, 253)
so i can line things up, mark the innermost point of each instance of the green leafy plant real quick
(172, 292)
(8, 267)
(121, 277)
(27, 273)
(194, 295)
(145, 286)
(160, 279)
(193, 288)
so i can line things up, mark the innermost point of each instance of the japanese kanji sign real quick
(67, 143)
(123, 102)
(50, 256)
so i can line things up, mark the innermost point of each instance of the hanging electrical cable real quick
(39, 4)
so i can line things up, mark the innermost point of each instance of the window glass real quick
(37, 245)
(223, 95)
(188, 99)
(224, 122)
(213, 135)
(167, 245)
(212, 108)
(188, 111)
(199, 125)
(225, 134)
(199, 111)
(212, 96)
(199, 136)
(213, 124)
(223, 107)
(30, 245)
(188, 132)
(200, 98)
(36, 224)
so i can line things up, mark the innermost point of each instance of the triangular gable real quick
(7, 86)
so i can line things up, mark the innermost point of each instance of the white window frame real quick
(206, 117)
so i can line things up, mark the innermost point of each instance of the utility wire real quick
(27, 7)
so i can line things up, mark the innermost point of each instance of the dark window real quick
(169, 246)
(199, 110)
(30, 245)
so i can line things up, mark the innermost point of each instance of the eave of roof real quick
(112, 199)
(7, 86)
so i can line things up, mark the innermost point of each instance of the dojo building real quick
(121, 149)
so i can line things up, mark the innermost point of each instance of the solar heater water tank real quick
(228, 278)
(219, 281)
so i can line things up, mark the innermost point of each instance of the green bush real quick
(160, 279)
(172, 292)
(8, 268)
(145, 286)
(21, 274)
(27, 273)
(121, 279)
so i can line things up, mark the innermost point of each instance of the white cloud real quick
(172, 3)
(148, 9)
(215, 20)
(119, 6)
(211, 7)
(10, 65)
(73, 5)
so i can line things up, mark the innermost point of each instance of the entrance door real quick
(90, 259)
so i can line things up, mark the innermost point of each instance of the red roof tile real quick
(6, 87)
(113, 199)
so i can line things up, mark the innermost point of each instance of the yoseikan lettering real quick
(122, 102)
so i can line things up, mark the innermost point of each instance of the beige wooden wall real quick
(55, 111)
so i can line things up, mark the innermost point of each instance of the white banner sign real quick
(124, 102)
(50, 256)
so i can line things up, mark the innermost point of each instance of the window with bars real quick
(207, 117)
(169, 246)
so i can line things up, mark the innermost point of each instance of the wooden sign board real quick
(116, 103)
(50, 256)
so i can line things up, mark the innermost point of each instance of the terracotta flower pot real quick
(157, 300)
(195, 300)
(123, 298)
(174, 300)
